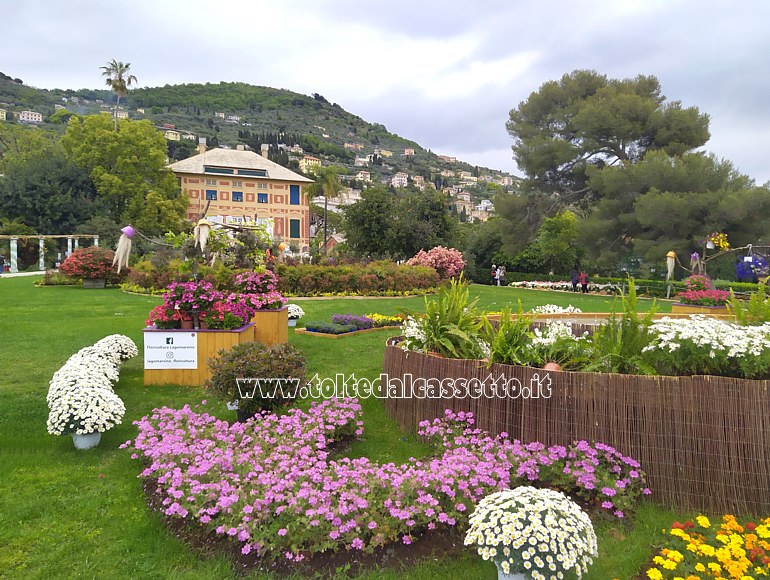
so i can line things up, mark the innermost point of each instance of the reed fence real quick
(704, 441)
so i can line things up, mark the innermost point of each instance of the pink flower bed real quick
(270, 485)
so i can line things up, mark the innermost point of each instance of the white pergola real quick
(72, 244)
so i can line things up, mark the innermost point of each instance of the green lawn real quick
(67, 513)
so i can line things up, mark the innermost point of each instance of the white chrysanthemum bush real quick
(295, 312)
(80, 394)
(537, 532)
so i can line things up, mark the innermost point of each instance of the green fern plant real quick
(509, 343)
(617, 345)
(754, 312)
(451, 324)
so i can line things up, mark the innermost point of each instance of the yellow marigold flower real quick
(763, 531)
(675, 556)
(706, 550)
(654, 574)
(658, 560)
(714, 567)
(669, 565)
(703, 522)
(700, 567)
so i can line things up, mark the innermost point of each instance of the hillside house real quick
(3, 115)
(408, 152)
(242, 187)
(308, 164)
(172, 135)
(364, 176)
(400, 179)
(31, 117)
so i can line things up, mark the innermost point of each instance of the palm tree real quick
(118, 80)
(328, 184)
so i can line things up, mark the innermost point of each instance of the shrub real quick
(93, 262)
(448, 262)
(254, 360)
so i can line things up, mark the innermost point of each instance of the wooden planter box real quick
(678, 308)
(206, 344)
(271, 326)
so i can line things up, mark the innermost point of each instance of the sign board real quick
(170, 350)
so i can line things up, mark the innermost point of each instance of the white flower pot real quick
(86, 441)
(232, 406)
(292, 322)
(511, 576)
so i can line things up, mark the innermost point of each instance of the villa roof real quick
(236, 159)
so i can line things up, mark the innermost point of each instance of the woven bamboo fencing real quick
(703, 441)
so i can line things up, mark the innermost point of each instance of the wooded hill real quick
(252, 115)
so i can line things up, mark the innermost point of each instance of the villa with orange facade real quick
(244, 187)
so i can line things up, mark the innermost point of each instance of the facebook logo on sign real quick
(170, 340)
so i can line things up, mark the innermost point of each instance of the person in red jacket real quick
(583, 279)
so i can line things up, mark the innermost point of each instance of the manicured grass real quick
(70, 513)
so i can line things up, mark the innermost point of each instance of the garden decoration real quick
(123, 249)
(201, 234)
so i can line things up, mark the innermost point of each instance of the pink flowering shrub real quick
(448, 262)
(270, 484)
(698, 282)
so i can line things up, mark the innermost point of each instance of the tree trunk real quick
(326, 203)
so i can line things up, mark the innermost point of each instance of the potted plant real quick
(93, 265)
(223, 316)
(532, 533)
(163, 316)
(295, 313)
(85, 413)
(191, 298)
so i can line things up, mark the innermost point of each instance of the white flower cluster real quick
(80, 395)
(554, 309)
(566, 286)
(295, 312)
(538, 532)
(554, 331)
(716, 336)
(414, 335)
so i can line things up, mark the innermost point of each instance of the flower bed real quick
(343, 324)
(270, 485)
(566, 286)
(728, 550)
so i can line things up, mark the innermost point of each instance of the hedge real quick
(374, 279)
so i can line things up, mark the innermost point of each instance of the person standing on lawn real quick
(494, 274)
(574, 279)
(583, 278)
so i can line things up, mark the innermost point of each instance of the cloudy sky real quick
(444, 74)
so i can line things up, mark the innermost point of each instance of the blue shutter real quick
(294, 195)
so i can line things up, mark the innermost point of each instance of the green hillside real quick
(227, 114)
